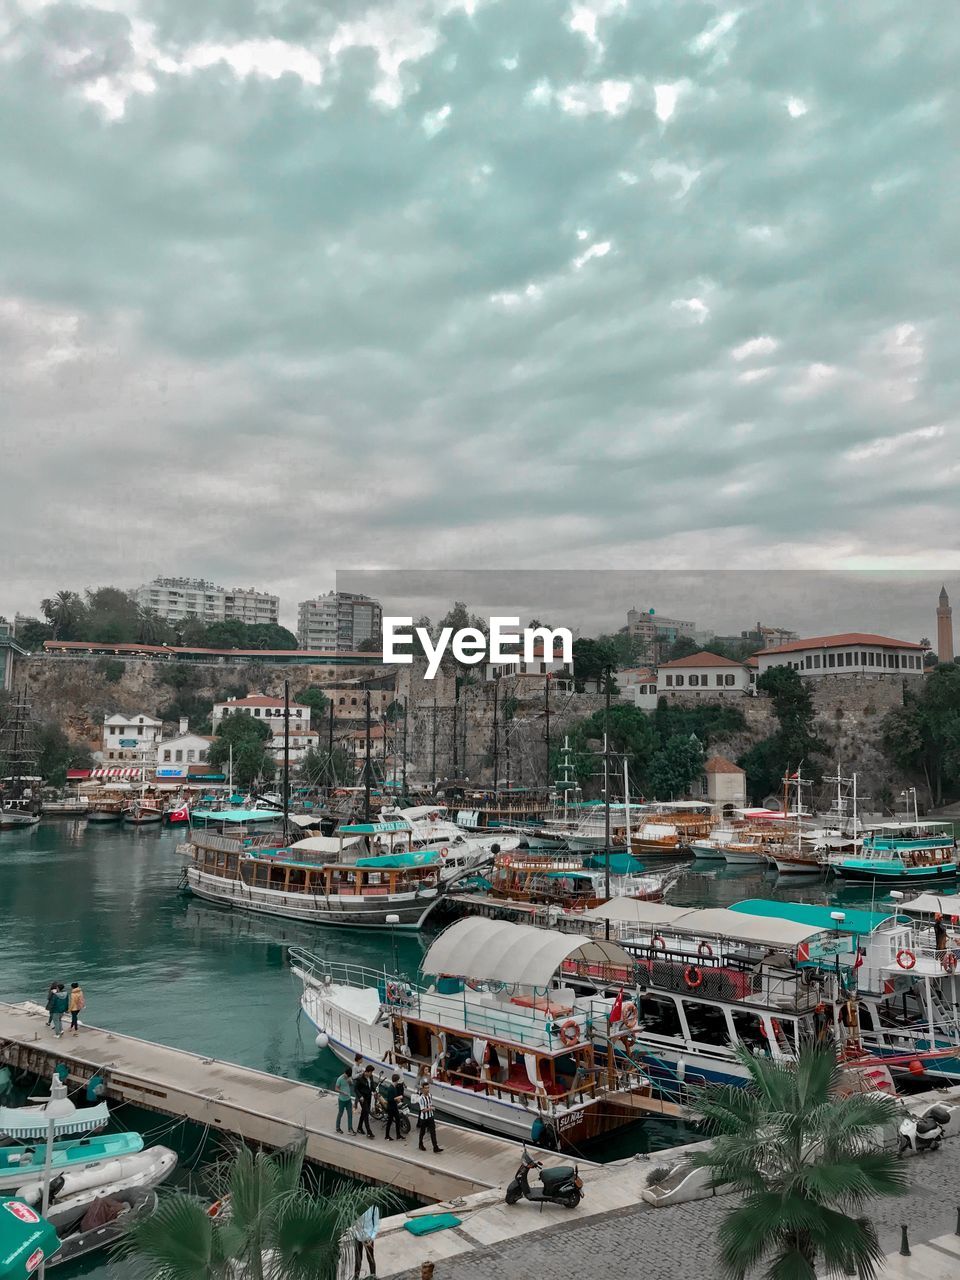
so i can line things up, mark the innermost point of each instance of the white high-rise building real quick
(195, 599)
(339, 620)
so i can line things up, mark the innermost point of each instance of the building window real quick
(191, 756)
(816, 660)
(728, 680)
(808, 662)
(166, 754)
(830, 660)
(256, 711)
(863, 659)
(669, 679)
(719, 679)
(694, 681)
(178, 757)
(203, 757)
(679, 680)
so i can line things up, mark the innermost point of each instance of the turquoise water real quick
(100, 905)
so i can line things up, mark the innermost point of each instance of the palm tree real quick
(64, 612)
(275, 1228)
(805, 1160)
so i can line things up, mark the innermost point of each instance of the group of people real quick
(60, 1001)
(355, 1089)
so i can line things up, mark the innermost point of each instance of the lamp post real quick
(393, 921)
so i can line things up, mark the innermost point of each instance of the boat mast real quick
(496, 732)
(606, 789)
(546, 712)
(404, 746)
(286, 758)
(366, 766)
(626, 796)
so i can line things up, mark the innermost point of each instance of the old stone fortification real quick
(77, 693)
(850, 709)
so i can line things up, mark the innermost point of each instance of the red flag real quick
(616, 1013)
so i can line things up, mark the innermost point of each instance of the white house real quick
(542, 664)
(703, 675)
(852, 653)
(638, 685)
(260, 707)
(176, 755)
(131, 739)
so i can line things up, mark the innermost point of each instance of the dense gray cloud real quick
(289, 287)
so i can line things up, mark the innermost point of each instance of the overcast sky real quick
(288, 287)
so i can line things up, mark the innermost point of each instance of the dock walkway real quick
(256, 1106)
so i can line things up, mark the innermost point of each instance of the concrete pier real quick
(256, 1106)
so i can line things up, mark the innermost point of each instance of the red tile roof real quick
(701, 659)
(720, 764)
(842, 641)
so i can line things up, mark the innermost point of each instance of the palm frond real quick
(177, 1242)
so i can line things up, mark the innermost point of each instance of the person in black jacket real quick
(394, 1094)
(364, 1092)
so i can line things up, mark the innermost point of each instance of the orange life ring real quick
(569, 1032)
(906, 959)
(444, 851)
(692, 976)
(393, 992)
(949, 962)
(705, 951)
(629, 1015)
(658, 940)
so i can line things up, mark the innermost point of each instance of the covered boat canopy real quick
(932, 904)
(324, 844)
(235, 816)
(809, 913)
(31, 1123)
(765, 931)
(492, 951)
(636, 911)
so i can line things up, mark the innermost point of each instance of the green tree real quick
(312, 696)
(31, 633)
(674, 768)
(278, 1228)
(66, 614)
(592, 659)
(250, 739)
(805, 1162)
(372, 644)
(56, 754)
(795, 741)
(923, 737)
(153, 628)
(682, 647)
(631, 734)
(322, 768)
(394, 711)
(112, 616)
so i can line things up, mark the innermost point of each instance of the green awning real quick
(621, 864)
(26, 1240)
(854, 921)
(422, 858)
(235, 815)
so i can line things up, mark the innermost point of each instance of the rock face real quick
(77, 693)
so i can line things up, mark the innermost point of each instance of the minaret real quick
(944, 628)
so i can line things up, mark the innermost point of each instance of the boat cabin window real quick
(749, 1029)
(659, 1016)
(706, 1022)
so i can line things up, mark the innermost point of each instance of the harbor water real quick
(100, 905)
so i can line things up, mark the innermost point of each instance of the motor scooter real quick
(561, 1185)
(924, 1132)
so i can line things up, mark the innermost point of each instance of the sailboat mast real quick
(286, 757)
(606, 789)
(366, 766)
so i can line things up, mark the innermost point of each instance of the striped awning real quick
(115, 773)
(19, 1123)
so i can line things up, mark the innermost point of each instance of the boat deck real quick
(257, 1106)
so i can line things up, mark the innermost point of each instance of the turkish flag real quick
(616, 1013)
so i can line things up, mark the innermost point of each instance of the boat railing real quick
(339, 972)
(230, 844)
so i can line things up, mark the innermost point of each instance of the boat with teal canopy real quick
(419, 858)
(912, 851)
(857, 922)
(233, 817)
(19, 1165)
(621, 864)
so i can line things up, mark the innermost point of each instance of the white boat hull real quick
(354, 911)
(148, 1169)
(348, 1036)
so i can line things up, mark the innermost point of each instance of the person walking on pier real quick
(393, 1095)
(428, 1120)
(364, 1233)
(59, 1008)
(364, 1093)
(49, 1005)
(345, 1098)
(75, 1004)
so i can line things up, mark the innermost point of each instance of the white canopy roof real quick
(767, 931)
(492, 951)
(325, 844)
(931, 904)
(635, 911)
